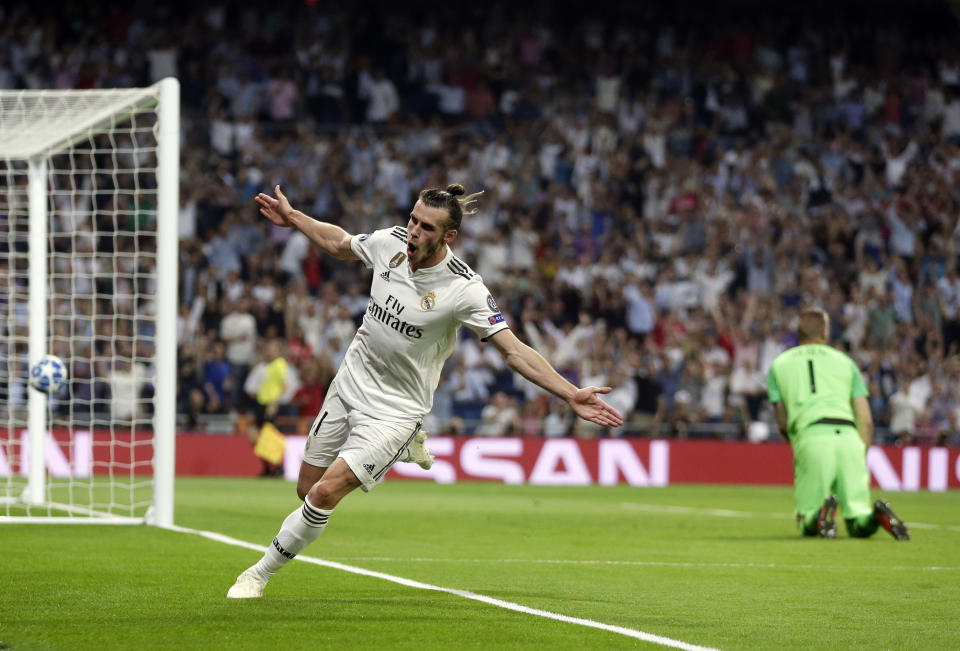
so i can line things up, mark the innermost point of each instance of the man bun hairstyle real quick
(454, 199)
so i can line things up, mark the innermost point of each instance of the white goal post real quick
(89, 194)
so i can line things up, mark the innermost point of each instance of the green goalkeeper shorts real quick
(828, 460)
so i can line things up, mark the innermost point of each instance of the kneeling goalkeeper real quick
(821, 406)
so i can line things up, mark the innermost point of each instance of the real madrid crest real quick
(428, 301)
(397, 260)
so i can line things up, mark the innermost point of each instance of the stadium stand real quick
(666, 186)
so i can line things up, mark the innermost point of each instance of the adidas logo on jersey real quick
(368, 467)
(386, 275)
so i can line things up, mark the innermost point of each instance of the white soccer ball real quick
(758, 431)
(48, 374)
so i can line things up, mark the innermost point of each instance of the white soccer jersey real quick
(393, 364)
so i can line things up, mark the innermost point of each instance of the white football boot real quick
(417, 452)
(249, 585)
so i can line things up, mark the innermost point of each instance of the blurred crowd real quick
(664, 188)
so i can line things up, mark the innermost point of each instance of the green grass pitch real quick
(706, 565)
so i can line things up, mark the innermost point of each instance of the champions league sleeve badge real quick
(497, 316)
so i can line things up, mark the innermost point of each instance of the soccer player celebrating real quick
(420, 296)
(821, 405)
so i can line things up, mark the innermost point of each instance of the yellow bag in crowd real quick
(270, 444)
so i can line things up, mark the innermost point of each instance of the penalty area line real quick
(466, 594)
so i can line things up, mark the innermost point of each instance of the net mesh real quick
(100, 150)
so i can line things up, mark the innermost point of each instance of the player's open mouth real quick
(411, 249)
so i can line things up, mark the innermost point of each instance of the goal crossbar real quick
(38, 122)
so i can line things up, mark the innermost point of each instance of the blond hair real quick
(813, 323)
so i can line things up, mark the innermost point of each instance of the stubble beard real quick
(430, 252)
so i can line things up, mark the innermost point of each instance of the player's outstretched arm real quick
(530, 364)
(329, 237)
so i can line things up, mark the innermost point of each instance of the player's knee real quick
(861, 527)
(318, 494)
(325, 494)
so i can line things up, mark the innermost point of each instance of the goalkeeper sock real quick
(302, 527)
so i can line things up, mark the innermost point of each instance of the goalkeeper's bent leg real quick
(807, 523)
(862, 526)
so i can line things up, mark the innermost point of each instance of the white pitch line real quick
(499, 603)
(543, 561)
(727, 513)
(692, 510)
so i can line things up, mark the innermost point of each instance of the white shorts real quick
(369, 446)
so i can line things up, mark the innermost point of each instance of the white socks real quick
(302, 527)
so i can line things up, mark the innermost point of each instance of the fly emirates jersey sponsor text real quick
(393, 364)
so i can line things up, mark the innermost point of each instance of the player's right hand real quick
(276, 210)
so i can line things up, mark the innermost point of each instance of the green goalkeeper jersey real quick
(814, 381)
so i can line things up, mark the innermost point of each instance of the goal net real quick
(88, 272)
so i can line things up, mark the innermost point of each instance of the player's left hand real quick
(589, 406)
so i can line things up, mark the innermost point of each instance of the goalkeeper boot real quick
(249, 585)
(890, 520)
(826, 519)
(417, 451)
